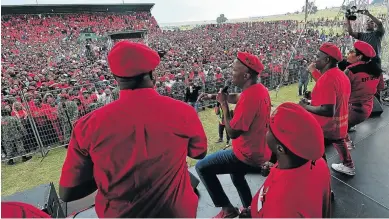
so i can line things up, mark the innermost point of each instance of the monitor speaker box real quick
(43, 197)
(194, 181)
(377, 108)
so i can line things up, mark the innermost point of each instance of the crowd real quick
(48, 73)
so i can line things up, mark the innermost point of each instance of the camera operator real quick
(371, 36)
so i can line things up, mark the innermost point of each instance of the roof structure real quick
(74, 8)
(138, 34)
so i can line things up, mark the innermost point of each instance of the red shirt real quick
(363, 86)
(252, 115)
(333, 87)
(137, 156)
(21, 210)
(302, 192)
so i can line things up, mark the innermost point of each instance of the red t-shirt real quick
(252, 116)
(363, 86)
(21, 210)
(333, 87)
(136, 156)
(302, 192)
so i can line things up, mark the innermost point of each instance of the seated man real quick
(247, 130)
(134, 149)
(365, 78)
(21, 210)
(299, 184)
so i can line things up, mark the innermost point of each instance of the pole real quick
(306, 11)
(36, 1)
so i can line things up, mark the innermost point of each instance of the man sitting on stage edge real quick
(247, 130)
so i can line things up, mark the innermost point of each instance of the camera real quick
(351, 13)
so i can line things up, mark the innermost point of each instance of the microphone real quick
(227, 85)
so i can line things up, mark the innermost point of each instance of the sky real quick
(173, 11)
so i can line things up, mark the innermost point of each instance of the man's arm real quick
(77, 179)
(232, 98)
(197, 147)
(327, 110)
(350, 30)
(380, 26)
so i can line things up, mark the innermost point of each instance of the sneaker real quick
(350, 145)
(228, 144)
(223, 214)
(220, 140)
(352, 129)
(341, 168)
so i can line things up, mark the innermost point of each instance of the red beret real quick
(365, 48)
(251, 61)
(128, 59)
(332, 50)
(298, 130)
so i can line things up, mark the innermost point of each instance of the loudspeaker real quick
(44, 197)
(194, 181)
(377, 108)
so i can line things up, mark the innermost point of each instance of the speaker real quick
(44, 197)
(194, 181)
(377, 108)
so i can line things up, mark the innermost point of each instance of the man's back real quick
(138, 146)
(333, 87)
(252, 115)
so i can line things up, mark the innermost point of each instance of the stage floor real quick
(364, 195)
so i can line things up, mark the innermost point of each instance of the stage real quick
(364, 195)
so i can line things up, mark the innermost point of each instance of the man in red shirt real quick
(21, 210)
(298, 186)
(247, 129)
(329, 104)
(365, 77)
(135, 157)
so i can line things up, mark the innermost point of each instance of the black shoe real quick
(220, 140)
(24, 158)
(11, 162)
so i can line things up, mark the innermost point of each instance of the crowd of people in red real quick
(44, 63)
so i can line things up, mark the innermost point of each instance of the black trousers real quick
(221, 130)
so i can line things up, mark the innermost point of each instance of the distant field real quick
(326, 13)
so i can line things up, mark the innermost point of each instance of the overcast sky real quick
(171, 11)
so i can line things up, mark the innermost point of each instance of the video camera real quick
(351, 13)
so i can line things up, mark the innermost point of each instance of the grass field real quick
(27, 175)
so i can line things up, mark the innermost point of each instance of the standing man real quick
(12, 132)
(372, 36)
(299, 184)
(191, 94)
(67, 115)
(133, 151)
(303, 78)
(220, 114)
(247, 129)
(329, 104)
